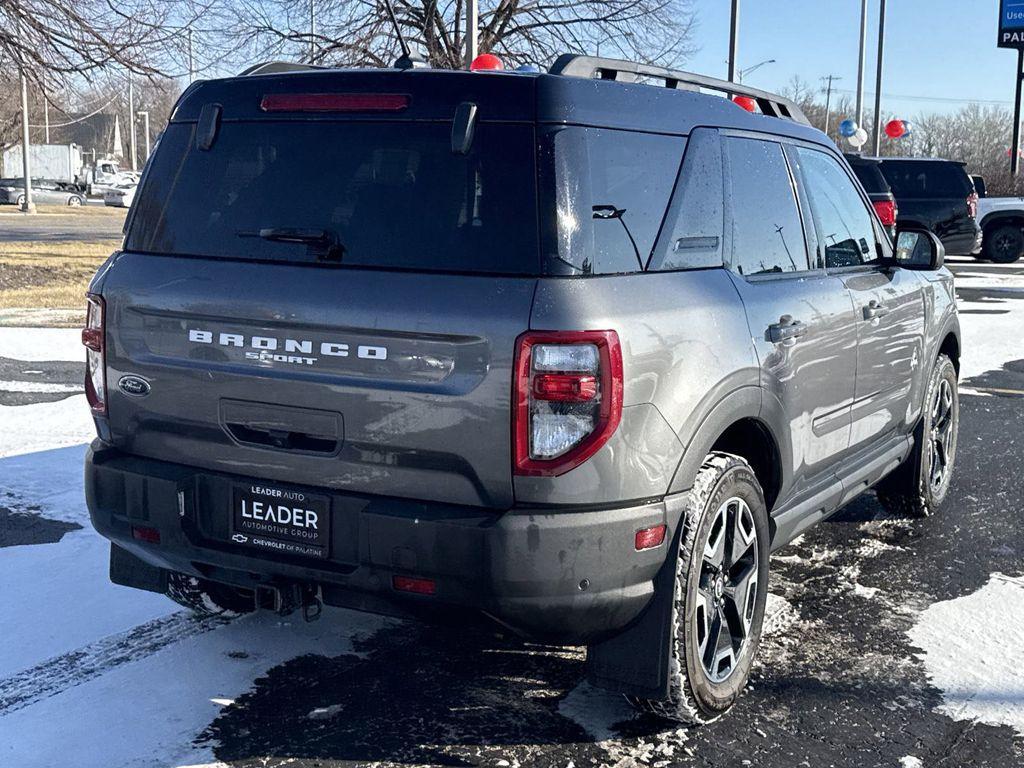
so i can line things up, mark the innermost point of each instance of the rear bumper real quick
(568, 577)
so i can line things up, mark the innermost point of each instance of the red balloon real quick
(746, 103)
(895, 128)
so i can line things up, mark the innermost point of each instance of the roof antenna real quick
(407, 60)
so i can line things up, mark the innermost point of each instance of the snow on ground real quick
(41, 344)
(970, 649)
(992, 328)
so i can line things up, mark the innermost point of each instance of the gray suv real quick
(571, 351)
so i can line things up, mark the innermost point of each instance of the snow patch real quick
(909, 761)
(326, 713)
(968, 649)
(596, 711)
(42, 343)
(985, 336)
(41, 426)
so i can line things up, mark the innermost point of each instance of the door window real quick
(767, 234)
(845, 225)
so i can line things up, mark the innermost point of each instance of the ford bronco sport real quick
(573, 351)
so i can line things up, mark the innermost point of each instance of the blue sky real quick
(939, 49)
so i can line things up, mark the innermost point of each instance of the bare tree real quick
(58, 42)
(358, 32)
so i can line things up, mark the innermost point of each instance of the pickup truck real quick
(1002, 222)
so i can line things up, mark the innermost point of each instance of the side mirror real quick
(919, 249)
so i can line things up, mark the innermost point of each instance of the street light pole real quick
(878, 80)
(144, 114)
(734, 40)
(26, 163)
(741, 74)
(46, 120)
(860, 61)
(191, 62)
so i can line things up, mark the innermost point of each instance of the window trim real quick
(729, 250)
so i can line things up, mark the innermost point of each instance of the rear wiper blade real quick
(321, 237)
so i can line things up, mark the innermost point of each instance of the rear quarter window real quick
(604, 194)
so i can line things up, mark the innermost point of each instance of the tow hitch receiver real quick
(284, 599)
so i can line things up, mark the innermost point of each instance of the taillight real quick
(93, 337)
(886, 210)
(972, 205)
(567, 398)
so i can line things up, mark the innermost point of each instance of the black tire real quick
(1004, 244)
(74, 201)
(20, 201)
(700, 689)
(919, 486)
(208, 598)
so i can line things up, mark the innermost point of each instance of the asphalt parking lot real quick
(890, 642)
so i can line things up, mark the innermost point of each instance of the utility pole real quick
(828, 99)
(860, 61)
(46, 120)
(191, 61)
(472, 23)
(26, 164)
(312, 28)
(878, 80)
(734, 40)
(131, 122)
(144, 114)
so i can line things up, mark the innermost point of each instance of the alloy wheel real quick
(941, 437)
(1004, 244)
(727, 590)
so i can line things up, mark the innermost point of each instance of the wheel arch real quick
(735, 426)
(999, 218)
(950, 347)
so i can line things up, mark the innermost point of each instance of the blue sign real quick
(1011, 24)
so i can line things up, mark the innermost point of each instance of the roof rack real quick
(275, 67)
(593, 67)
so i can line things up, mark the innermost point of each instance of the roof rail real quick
(276, 67)
(593, 67)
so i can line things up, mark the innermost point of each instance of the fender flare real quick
(741, 403)
(997, 217)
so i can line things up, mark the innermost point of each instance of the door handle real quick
(787, 328)
(875, 309)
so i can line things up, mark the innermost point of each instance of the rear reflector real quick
(565, 387)
(149, 535)
(334, 102)
(413, 584)
(649, 538)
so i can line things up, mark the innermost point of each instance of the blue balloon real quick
(847, 127)
(531, 69)
(907, 127)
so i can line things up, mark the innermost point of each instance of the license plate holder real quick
(286, 521)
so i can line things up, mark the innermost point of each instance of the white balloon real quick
(859, 139)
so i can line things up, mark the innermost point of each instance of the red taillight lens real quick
(567, 398)
(93, 337)
(886, 210)
(649, 538)
(972, 205)
(334, 102)
(414, 584)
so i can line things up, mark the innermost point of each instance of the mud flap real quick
(636, 661)
(129, 571)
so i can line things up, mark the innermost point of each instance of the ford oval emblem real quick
(136, 386)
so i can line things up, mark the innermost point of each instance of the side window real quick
(845, 225)
(692, 235)
(609, 190)
(767, 234)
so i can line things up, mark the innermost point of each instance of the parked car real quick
(43, 191)
(564, 350)
(120, 196)
(938, 195)
(1002, 221)
(869, 174)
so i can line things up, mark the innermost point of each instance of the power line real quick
(78, 119)
(943, 99)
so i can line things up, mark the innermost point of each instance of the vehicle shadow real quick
(419, 694)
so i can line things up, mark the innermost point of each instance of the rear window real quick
(912, 179)
(870, 177)
(387, 194)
